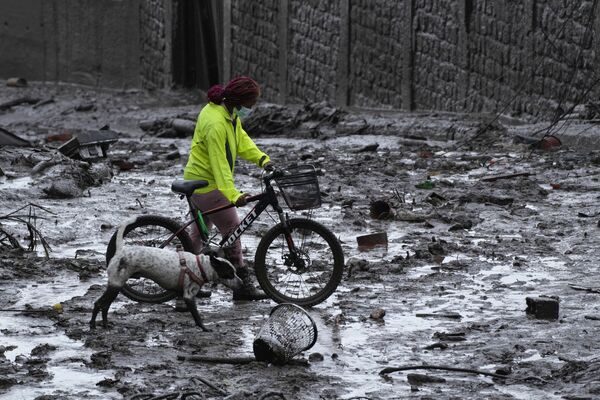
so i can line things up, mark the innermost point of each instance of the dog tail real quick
(121, 232)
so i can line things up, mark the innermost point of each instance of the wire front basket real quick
(288, 331)
(300, 188)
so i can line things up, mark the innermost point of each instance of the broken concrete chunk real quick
(542, 307)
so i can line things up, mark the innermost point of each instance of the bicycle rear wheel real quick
(152, 231)
(306, 276)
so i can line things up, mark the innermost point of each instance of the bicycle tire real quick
(268, 270)
(149, 230)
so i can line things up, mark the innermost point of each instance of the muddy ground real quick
(449, 289)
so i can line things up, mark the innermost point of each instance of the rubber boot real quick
(248, 291)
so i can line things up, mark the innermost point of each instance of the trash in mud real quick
(16, 82)
(89, 145)
(426, 184)
(542, 307)
(16, 102)
(10, 139)
(381, 209)
(377, 314)
(287, 332)
(372, 240)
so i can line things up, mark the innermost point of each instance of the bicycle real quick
(297, 261)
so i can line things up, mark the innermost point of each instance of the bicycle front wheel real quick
(152, 231)
(306, 275)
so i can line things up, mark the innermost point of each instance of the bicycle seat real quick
(187, 187)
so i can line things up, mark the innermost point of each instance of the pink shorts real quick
(225, 221)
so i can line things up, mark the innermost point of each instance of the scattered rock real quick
(377, 314)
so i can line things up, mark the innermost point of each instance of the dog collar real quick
(201, 268)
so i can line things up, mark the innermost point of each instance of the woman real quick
(218, 139)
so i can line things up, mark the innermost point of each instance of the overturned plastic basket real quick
(288, 331)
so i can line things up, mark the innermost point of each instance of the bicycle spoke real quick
(307, 273)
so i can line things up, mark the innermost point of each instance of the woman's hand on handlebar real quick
(242, 200)
(269, 167)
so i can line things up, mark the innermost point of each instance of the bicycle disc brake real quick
(297, 261)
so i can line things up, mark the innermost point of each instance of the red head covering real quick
(237, 91)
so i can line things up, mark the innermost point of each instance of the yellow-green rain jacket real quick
(215, 146)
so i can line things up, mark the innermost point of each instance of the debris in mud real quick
(62, 178)
(422, 379)
(449, 315)
(542, 307)
(10, 139)
(368, 148)
(504, 176)
(42, 349)
(372, 240)
(287, 332)
(89, 145)
(29, 218)
(377, 314)
(381, 209)
(16, 102)
(16, 82)
(177, 127)
(312, 120)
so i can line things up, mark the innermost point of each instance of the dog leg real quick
(103, 304)
(191, 304)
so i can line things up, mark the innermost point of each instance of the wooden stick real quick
(210, 385)
(218, 360)
(584, 288)
(234, 360)
(469, 370)
(507, 176)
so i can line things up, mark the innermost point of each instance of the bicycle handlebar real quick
(276, 173)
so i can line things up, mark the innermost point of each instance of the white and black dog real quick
(173, 270)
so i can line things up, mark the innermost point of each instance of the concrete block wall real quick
(377, 52)
(314, 31)
(83, 41)
(519, 56)
(499, 56)
(565, 52)
(155, 21)
(437, 54)
(254, 44)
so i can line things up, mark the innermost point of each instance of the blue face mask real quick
(243, 112)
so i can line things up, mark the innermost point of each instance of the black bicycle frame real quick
(265, 199)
